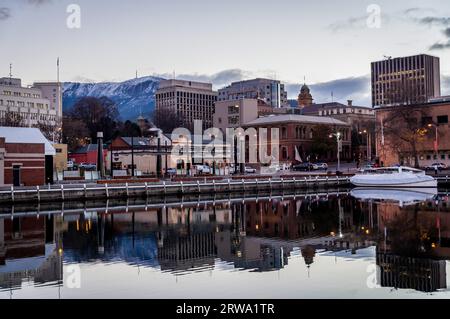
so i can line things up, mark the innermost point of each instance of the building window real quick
(284, 132)
(442, 119)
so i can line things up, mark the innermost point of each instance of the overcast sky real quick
(329, 42)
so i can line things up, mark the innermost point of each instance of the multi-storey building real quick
(33, 106)
(189, 100)
(406, 80)
(270, 91)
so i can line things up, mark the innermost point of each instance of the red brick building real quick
(298, 131)
(26, 157)
(87, 154)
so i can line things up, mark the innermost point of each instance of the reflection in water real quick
(412, 241)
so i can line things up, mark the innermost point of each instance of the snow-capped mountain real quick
(132, 96)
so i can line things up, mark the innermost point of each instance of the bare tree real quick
(75, 133)
(13, 119)
(51, 132)
(405, 131)
(166, 120)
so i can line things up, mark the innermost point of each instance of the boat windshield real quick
(392, 170)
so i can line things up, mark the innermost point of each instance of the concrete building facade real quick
(39, 104)
(405, 80)
(270, 91)
(189, 100)
(234, 113)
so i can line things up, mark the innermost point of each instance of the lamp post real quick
(435, 138)
(368, 142)
(338, 136)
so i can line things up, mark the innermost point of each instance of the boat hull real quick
(427, 183)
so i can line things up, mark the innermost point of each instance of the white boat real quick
(404, 197)
(393, 177)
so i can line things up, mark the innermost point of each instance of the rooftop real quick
(273, 119)
(26, 135)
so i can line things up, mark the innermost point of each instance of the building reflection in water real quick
(412, 242)
(30, 251)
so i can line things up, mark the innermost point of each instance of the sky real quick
(328, 43)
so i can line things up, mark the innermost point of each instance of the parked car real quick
(250, 170)
(203, 169)
(302, 167)
(171, 171)
(320, 166)
(439, 166)
(88, 166)
(70, 165)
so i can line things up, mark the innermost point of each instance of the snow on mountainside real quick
(132, 96)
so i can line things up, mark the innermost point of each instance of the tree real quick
(322, 144)
(98, 115)
(167, 120)
(13, 119)
(129, 128)
(404, 131)
(51, 132)
(75, 133)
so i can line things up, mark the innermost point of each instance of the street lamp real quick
(369, 153)
(338, 136)
(435, 138)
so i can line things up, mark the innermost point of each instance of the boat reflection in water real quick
(402, 196)
(406, 233)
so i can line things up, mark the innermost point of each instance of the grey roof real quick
(146, 141)
(29, 135)
(272, 119)
(86, 149)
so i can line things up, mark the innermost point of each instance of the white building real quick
(39, 104)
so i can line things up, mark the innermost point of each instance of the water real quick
(326, 245)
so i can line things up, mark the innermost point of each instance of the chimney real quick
(350, 102)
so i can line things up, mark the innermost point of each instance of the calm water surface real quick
(356, 244)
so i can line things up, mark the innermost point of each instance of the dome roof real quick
(304, 89)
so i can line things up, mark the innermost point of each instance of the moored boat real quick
(393, 177)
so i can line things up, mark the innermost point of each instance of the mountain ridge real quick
(133, 97)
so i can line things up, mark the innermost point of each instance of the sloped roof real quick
(26, 135)
(273, 119)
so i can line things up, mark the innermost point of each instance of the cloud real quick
(222, 78)
(39, 2)
(352, 88)
(434, 21)
(349, 24)
(5, 13)
(445, 85)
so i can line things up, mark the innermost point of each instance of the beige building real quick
(190, 100)
(234, 113)
(60, 159)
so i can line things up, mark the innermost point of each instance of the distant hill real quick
(132, 96)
